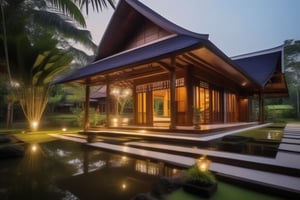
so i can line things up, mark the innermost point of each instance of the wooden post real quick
(86, 108)
(173, 94)
(261, 107)
(189, 84)
(107, 103)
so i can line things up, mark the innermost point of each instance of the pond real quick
(68, 170)
(64, 170)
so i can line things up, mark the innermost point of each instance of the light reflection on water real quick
(67, 170)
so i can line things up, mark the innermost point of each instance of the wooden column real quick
(107, 103)
(86, 108)
(224, 107)
(173, 94)
(261, 107)
(189, 84)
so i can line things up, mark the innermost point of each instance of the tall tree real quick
(38, 37)
(292, 63)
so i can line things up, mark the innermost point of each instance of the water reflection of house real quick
(172, 70)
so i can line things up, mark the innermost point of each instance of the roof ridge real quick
(260, 52)
(162, 21)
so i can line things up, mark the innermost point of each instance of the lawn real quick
(37, 136)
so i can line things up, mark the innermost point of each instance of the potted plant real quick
(197, 115)
(199, 180)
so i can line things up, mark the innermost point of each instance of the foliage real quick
(292, 64)
(95, 118)
(197, 111)
(277, 112)
(96, 4)
(200, 177)
(38, 38)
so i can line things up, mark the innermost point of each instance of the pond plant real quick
(199, 180)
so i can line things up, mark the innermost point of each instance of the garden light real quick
(34, 125)
(203, 164)
(33, 148)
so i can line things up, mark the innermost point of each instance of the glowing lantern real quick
(203, 164)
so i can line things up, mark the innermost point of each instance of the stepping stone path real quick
(291, 139)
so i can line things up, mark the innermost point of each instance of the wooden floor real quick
(204, 128)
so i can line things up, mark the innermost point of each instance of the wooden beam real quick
(261, 107)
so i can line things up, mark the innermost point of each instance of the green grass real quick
(274, 131)
(225, 191)
(36, 136)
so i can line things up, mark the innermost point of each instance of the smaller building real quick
(172, 72)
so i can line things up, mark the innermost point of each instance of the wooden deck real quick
(207, 129)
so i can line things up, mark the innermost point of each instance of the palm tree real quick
(39, 46)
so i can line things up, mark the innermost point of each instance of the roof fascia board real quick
(258, 53)
(138, 47)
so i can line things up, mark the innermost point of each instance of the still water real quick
(70, 171)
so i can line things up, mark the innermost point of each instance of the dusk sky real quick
(235, 26)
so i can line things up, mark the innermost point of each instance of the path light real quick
(115, 122)
(203, 163)
(123, 186)
(64, 129)
(34, 125)
(33, 148)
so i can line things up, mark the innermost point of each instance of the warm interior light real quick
(64, 129)
(124, 186)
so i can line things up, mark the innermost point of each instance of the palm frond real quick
(80, 56)
(53, 21)
(97, 5)
(52, 63)
(69, 8)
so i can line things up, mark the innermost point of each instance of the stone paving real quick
(287, 157)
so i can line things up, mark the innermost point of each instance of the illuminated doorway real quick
(202, 101)
(161, 107)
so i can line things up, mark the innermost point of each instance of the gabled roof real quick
(261, 65)
(129, 15)
(191, 47)
(136, 56)
(266, 68)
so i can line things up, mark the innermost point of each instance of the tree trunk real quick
(9, 116)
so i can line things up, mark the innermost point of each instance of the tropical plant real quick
(38, 38)
(292, 64)
(196, 176)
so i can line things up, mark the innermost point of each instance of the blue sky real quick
(235, 26)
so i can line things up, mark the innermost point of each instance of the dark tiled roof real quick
(260, 66)
(136, 56)
(127, 18)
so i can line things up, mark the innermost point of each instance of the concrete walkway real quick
(288, 156)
